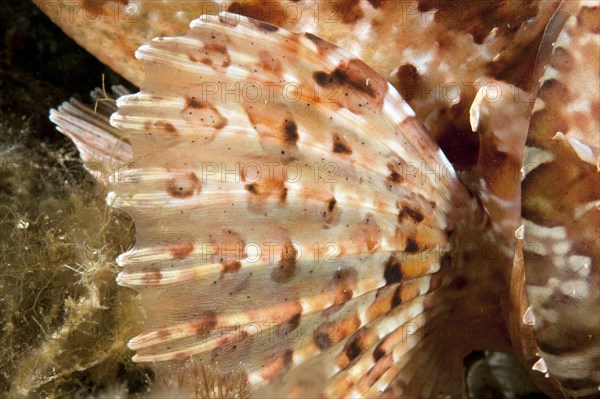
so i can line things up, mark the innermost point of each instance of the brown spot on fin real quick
(286, 267)
(341, 287)
(267, 187)
(331, 204)
(152, 276)
(263, 26)
(410, 212)
(393, 270)
(230, 266)
(212, 54)
(412, 247)
(274, 123)
(205, 323)
(354, 76)
(290, 132)
(184, 186)
(340, 145)
(203, 114)
(181, 250)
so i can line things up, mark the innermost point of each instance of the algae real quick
(64, 322)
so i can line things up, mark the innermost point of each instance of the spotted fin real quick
(561, 200)
(292, 215)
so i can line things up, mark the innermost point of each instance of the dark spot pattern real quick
(379, 352)
(205, 323)
(341, 285)
(272, 121)
(263, 26)
(375, 3)
(358, 343)
(410, 212)
(162, 126)
(395, 177)
(212, 54)
(276, 365)
(203, 113)
(290, 132)
(393, 270)
(340, 146)
(353, 74)
(269, 63)
(316, 40)
(395, 168)
(152, 276)
(368, 233)
(353, 350)
(330, 333)
(251, 188)
(325, 335)
(411, 246)
(283, 195)
(166, 126)
(331, 213)
(192, 102)
(184, 186)
(228, 19)
(286, 267)
(460, 282)
(230, 266)
(322, 78)
(331, 204)
(353, 85)
(273, 186)
(397, 297)
(294, 322)
(181, 250)
(288, 357)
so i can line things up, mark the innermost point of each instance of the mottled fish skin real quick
(437, 53)
(561, 201)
